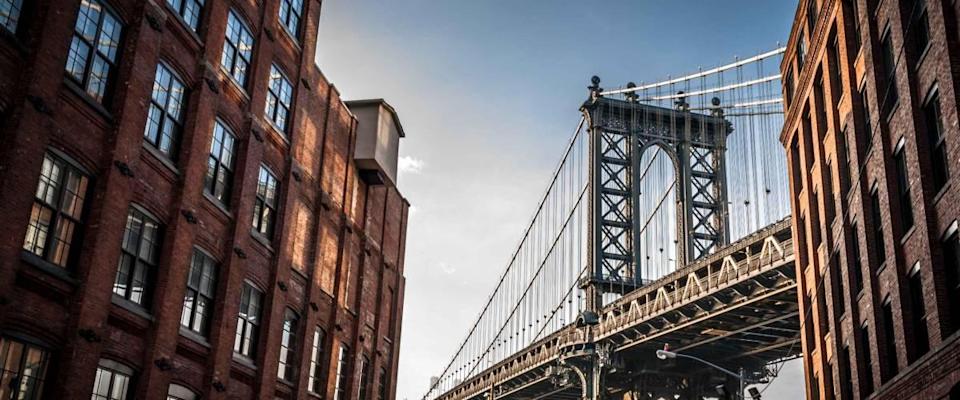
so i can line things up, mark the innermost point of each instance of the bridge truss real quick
(656, 181)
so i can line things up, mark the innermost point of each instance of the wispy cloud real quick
(411, 165)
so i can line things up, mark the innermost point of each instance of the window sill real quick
(217, 204)
(923, 57)
(161, 158)
(82, 94)
(880, 268)
(906, 236)
(291, 38)
(263, 240)
(244, 361)
(48, 267)
(278, 133)
(183, 24)
(132, 307)
(194, 337)
(943, 191)
(236, 85)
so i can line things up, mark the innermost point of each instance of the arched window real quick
(177, 392)
(287, 369)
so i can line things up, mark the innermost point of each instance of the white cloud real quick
(410, 165)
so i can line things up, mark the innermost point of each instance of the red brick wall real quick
(40, 111)
(837, 165)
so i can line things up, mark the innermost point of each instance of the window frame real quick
(149, 267)
(209, 267)
(248, 326)
(277, 102)
(245, 31)
(902, 173)
(182, 9)
(38, 380)
(114, 369)
(287, 358)
(264, 210)
(92, 52)
(294, 12)
(68, 169)
(211, 179)
(315, 382)
(16, 8)
(165, 113)
(936, 144)
(342, 382)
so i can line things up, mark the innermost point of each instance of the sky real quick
(488, 93)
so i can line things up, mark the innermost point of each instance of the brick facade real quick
(873, 144)
(333, 260)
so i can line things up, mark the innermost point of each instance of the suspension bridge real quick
(664, 223)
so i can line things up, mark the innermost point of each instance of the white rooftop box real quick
(378, 140)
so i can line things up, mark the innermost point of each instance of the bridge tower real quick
(620, 132)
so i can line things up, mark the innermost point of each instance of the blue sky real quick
(488, 93)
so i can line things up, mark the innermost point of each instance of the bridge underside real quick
(737, 307)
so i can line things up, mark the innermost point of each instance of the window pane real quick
(10, 14)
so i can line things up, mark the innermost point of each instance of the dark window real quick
(265, 205)
(922, 38)
(788, 86)
(811, 14)
(866, 367)
(201, 288)
(57, 211)
(855, 15)
(856, 267)
(248, 322)
(866, 137)
(9, 16)
(315, 383)
(888, 364)
(382, 385)
(92, 58)
(364, 378)
(888, 58)
(22, 369)
(219, 178)
(138, 258)
(846, 382)
(112, 382)
(237, 49)
(839, 302)
(903, 187)
(279, 99)
(290, 12)
(951, 263)
(936, 141)
(835, 66)
(165, 117)
(287, 368)
(879, 246)
(343, 373)
(918, 314)
(189, 10)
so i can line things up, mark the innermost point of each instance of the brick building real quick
(873, 143)
(186, 215)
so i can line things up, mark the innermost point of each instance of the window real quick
(177, 392)
(138, 258)
(801, 51)
(219, 178)
(9, 15)
(855, 13)
(839, 297)
(936, 141)
(237, 49)
(888, 59)
(201, 289)
(788, 86)
(57, 211)
(165, 117)
(189, 10)
(903, 187)
(265, 205)
(290, 12)
(951, 263)
(382, 385)
(922, 33)
(855, 265)
(22, 370)
(880, 249)
(811, 14)
(92, 58)
(287, 367)
(846, 382)
(364, 378)
(112, 382)
(888, 363)
(315, 383)
(866, 368)
(343, 368)
(918, 315)
(867, 136)
(279, 99)
(248, 321)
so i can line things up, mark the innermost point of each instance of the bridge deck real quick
(737, 307)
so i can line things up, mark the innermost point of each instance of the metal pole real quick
(743, 395)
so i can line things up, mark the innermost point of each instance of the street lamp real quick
(741, 376)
